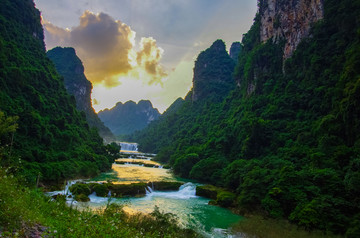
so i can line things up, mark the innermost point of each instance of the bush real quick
(225, 199)
(82, 198)
(208, 191)
(165, 186)
(134, 189)
(101, 190)
(80, 188)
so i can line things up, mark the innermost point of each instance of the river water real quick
(192, 211)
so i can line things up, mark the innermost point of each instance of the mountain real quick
(213, 73)
(286, 140)
(71, 68)
(235, 51)
(126, 118)
(53, 141)
(290, 21)
(212, 81)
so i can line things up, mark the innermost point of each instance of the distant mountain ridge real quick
(124, 119)
(71, 68)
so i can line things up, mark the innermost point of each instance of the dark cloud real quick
(104, 45)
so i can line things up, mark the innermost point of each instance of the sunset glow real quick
(145, 54)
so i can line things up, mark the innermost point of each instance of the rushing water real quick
(128, 147)
(192, 211)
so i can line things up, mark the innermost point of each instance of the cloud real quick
(55, 34)
(107, 49)
(149, 57)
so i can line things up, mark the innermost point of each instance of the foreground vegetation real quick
(53, 140)
(26, 212)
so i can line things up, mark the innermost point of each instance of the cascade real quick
(129, 146)
(186, 191)
(148, 190)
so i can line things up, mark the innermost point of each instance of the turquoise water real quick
(192, 211)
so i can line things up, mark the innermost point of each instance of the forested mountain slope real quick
(71, 68)
(287, 139)
(53, 140)
(212, 82)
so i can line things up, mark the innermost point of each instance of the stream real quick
(192, 211)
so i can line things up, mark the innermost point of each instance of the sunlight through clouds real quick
(151, 44)
(119, 69)
(107, 49)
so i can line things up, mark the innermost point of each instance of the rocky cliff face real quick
(213, 73)
(290, 20)
(124, 119)
(72, 69)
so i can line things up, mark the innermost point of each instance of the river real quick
(192, 211)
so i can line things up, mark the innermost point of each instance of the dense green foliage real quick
(53, 139)
(287, 140)
(124, 119)
(213, 73)
(71, 68)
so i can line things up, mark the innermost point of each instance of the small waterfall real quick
(129, 146)
(66, 192)
(185, 191)
(148, 190)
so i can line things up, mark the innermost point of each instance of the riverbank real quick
(256, 226)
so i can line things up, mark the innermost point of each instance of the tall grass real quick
(26, 212)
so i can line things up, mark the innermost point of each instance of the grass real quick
(26, 212)
(259, 227)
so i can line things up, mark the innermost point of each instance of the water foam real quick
(186, 191)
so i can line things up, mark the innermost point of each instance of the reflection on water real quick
(131, 173)
(144, 161)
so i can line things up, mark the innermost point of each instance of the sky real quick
(142, 49)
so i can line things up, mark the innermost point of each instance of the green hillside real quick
(286, 141)
(71, 68)
(53, 140)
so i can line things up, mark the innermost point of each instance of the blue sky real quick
(179, 29)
